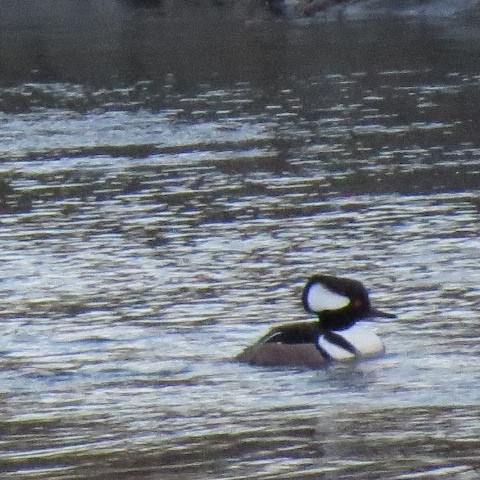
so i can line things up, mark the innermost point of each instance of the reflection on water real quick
(151, 229)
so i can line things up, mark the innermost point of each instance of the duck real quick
(339, 303)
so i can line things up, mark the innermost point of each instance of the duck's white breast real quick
(363, 340)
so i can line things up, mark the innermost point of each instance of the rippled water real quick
(150, 231)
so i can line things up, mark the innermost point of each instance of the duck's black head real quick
(339, 302)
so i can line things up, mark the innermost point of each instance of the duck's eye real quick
(357, 303)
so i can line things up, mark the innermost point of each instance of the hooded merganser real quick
(339, 303)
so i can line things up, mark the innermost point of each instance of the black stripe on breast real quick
(339, 341)
(323, 353)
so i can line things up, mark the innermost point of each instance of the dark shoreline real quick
(107, 44)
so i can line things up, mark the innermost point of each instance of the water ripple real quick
(141, 250)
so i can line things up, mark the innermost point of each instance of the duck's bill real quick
(375, 312)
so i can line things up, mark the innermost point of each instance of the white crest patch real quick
(320, 298)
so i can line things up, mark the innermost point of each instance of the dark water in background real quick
(168, 181)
